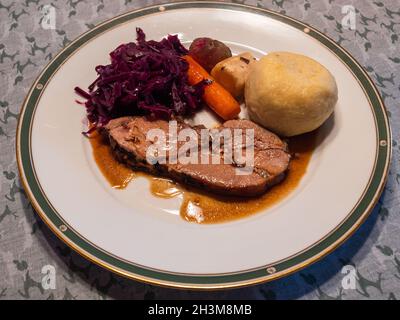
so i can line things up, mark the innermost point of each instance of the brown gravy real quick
(117, 174)
(198, 206)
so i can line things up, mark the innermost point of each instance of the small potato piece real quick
(231, 73)
(208, 52)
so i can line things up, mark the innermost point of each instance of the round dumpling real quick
(289, 93)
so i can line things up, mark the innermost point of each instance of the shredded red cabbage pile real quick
(144, 78)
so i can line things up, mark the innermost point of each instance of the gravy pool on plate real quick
(198, 206)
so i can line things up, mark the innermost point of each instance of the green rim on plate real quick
(264, 273)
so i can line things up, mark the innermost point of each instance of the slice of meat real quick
(128, 139)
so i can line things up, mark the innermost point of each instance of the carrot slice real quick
(216, 97)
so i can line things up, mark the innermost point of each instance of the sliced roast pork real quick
(128, 138)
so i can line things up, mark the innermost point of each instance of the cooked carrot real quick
(216, 97)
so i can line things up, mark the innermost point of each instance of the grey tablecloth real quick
(26, 245)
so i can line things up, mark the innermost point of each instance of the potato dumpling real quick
(289, 93)
(231, 73)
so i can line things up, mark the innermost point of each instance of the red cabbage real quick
(144, 78)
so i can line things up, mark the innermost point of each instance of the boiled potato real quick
(289, 93)
(231, 73)
(208, 52)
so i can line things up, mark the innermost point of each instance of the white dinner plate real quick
(139, 236)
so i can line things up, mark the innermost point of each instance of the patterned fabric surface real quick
(26, 245)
